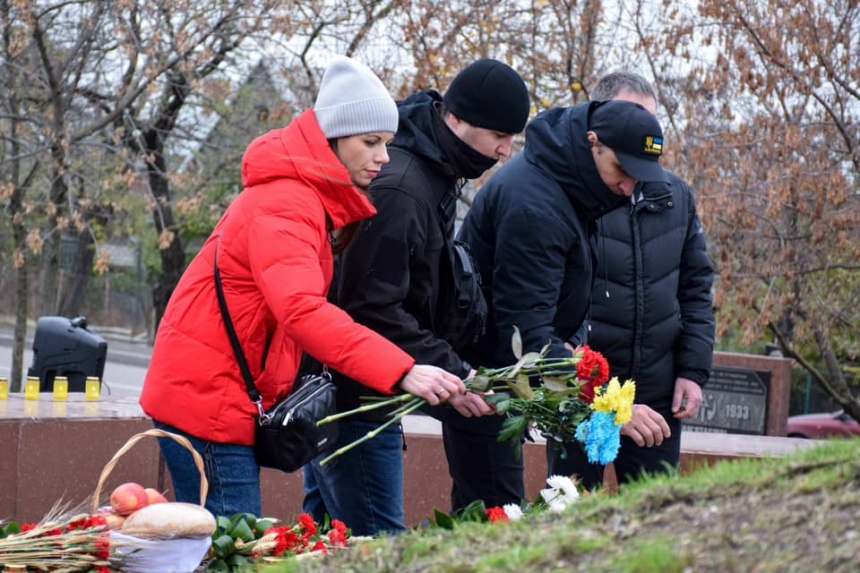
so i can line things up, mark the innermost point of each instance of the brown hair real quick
(347, 234)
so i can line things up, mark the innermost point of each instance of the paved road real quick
(125, 367)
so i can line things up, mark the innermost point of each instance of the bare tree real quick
(90, 75)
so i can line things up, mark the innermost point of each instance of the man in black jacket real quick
(530, 230)
(652, 315)
(396, 276)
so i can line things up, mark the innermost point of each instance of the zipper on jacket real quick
(289, 417)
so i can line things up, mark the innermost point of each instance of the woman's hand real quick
(432, 383)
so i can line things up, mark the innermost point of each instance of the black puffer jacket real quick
(529, 230)
(392, 276)
(652, 314)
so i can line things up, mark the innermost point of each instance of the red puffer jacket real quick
(276, 267)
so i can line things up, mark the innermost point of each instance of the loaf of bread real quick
(170, 521)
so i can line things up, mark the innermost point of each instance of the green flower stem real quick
(366, 408)
(499, 381)
(543, 365)
(418, 402)
(407, 406)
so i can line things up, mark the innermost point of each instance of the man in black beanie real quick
(489, 95)
(397, 276)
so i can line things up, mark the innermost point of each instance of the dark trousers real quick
(481, 466)
(631, 463)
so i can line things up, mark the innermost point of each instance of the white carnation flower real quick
(513, 511)
(565, 484)
(558, 505)
(561, 493)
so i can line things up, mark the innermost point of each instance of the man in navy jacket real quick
(652, 315)
(530, 230)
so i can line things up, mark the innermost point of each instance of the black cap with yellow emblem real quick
(633, 133)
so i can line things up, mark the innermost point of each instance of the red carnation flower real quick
(308, 523)
(497, 514)
(593, 370)
(592, 367)
(103, 547)
(586, 392)
(337, 536)
(286, 539)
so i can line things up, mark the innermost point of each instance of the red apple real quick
(127, 498)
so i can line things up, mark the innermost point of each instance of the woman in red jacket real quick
(304, 192)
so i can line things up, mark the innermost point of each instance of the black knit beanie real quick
(489, 94)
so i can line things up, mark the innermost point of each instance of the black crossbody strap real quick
(234, 340)
(441, 189)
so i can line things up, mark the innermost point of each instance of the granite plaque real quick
(734, 401)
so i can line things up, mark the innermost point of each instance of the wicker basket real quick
(180, 555)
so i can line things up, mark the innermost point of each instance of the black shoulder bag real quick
(287, 436)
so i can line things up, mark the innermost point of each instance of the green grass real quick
(794, 514)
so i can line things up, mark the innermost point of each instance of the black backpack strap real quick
(256, 398)
(439, 185)
(447, 211)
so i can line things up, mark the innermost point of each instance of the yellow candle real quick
(61, 389)
(4, 388)
(31, 388)
(93, 389)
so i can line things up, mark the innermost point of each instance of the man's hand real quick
(687, 399)
(647, 428)
(471, 404)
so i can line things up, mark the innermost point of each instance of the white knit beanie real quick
(352, 101)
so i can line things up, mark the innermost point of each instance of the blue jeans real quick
(632, 461)
(363, 487)
(232, 472)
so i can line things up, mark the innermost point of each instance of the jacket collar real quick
(301, 152)
(423, 131)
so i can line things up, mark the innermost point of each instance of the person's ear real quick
(452, 120)
(593, 140)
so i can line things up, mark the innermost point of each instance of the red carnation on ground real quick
(308, 523)
(286, 539)
(497, 514)
(337, 535)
